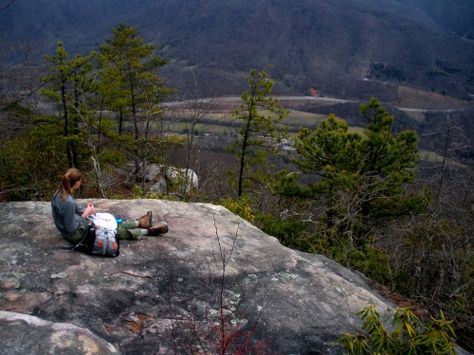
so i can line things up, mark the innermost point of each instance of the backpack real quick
(101, 238)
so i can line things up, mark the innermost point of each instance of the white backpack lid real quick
(104, 220)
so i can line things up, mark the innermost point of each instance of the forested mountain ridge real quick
(330, 45)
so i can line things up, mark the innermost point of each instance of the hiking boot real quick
(159, 228)
(145, 221)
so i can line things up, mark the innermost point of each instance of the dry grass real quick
(413, 98)
(438, 158)
(303, 119)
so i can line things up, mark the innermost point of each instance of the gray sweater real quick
(67, 214)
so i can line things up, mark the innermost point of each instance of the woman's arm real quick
(84, 212)
(88, 211)
(70, 218)
(78, 209)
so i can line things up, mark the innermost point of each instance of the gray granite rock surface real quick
(163, 294)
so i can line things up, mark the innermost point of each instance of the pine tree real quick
(261, 115)
(129, 67)
(363, 179)
(131, 87)
(67, 85)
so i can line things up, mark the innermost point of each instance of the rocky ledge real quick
(213, 281)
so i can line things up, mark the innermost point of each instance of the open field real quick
(419, 99)
(218, 127)
(215, 114)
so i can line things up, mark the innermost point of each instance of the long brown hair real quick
(69, 179)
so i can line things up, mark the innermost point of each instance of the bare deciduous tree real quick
(191, 111)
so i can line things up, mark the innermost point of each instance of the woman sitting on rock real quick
(72, 222)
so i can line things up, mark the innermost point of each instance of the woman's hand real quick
(89, 210)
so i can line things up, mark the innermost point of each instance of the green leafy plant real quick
(241, 206)
(409, 335)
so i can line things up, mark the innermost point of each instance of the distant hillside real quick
(456, 17)
(332, 45)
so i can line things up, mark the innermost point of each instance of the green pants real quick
(129, 230)
(126, 230)
(76, 236)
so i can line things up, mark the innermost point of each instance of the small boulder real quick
(44, 337)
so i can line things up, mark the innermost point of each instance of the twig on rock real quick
(144, 275)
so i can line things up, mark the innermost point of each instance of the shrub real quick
(290, 232)
(31, 163)
(241, 206)
(409, 335)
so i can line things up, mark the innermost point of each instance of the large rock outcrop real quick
(163, 294)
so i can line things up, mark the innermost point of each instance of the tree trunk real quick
(120, 121)
(447, 143)
(66, 124)
(244, 150)
(133, 103)
(99, 125)
(76, 126)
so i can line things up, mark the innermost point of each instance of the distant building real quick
(314, 92)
